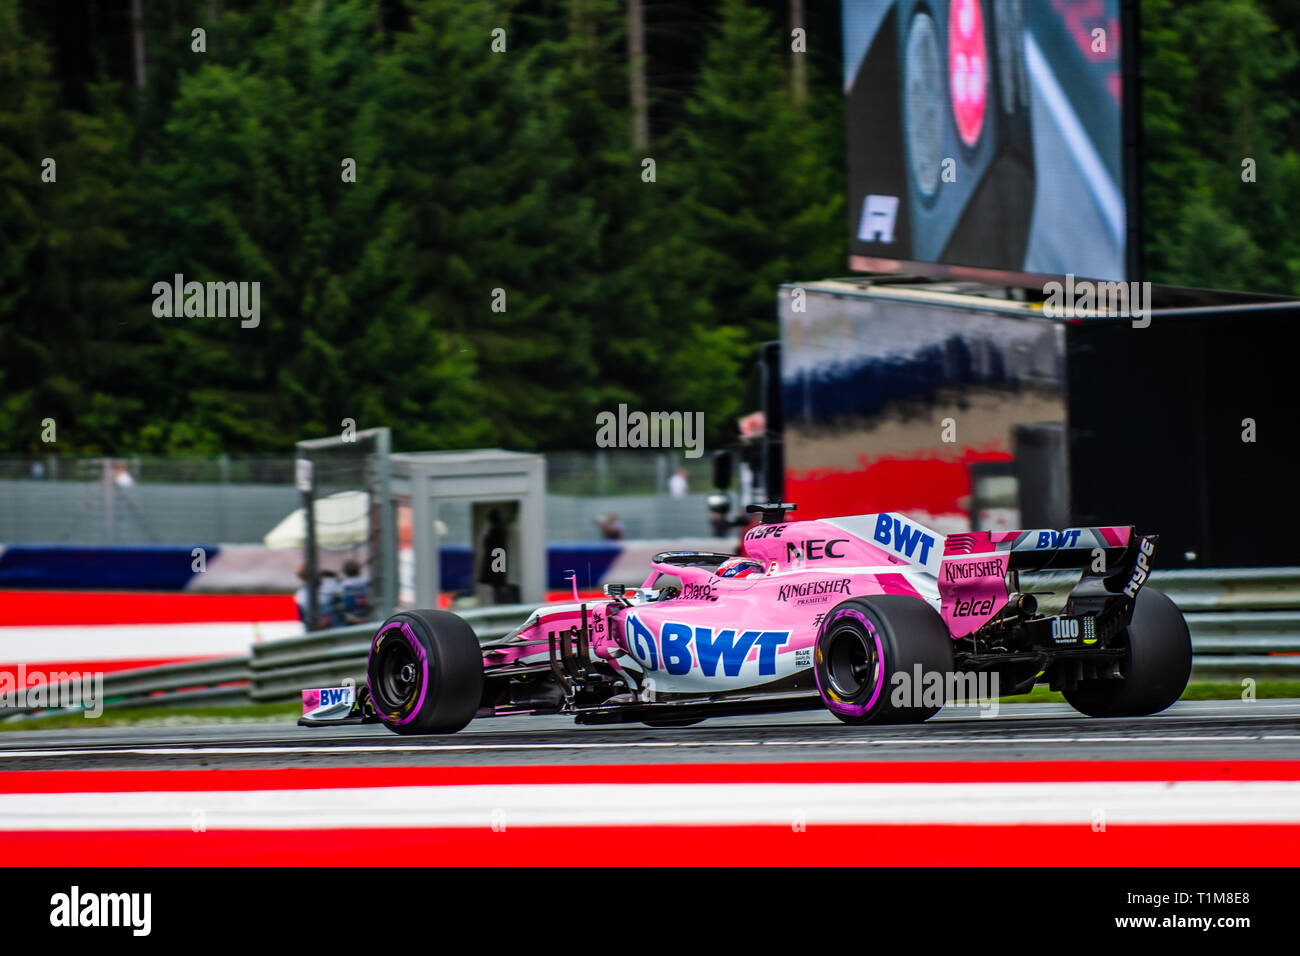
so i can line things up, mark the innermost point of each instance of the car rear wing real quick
(1115, 554)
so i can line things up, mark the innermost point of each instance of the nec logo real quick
(901, 537)
(329, 696)
(725, 647)
(814, 550)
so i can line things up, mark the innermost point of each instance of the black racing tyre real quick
(425, 673)
(1156, 670)
(864, 642)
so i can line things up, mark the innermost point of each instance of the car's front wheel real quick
(425, 673)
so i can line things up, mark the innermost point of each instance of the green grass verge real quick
(288, 712)
(161, 717)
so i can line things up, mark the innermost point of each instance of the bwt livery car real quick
(850, 614)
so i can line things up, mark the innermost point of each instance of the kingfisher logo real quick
(962, 570)
(677, 646)
(903, 539)
(809, 588)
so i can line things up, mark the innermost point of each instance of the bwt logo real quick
(335, 695)
(725, 646)
(902, 538)
(1058, 539)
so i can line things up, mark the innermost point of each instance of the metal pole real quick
(307, 485)
(388, 524)
(108, 488)
(636, 62)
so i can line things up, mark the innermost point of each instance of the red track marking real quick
(1181, 845)
(91, 667)
(315, 778)
(41, 608)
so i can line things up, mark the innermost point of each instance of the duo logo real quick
(725, 647)
(901, 538)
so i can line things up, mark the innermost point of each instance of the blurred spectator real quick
(121, 476)
(677, 486)
(300, 597)
(719, 524)
(38, 471)
(611, 528)
(356, 593)
(329, 599)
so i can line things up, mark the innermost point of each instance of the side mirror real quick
(721, 470)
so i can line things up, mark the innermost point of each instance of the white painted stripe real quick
(533, 805)
(341, 749)
(116, 642)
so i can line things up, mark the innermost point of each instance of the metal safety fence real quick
(1244, 624)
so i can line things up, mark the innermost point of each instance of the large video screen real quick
(916, 406)
(986, 135)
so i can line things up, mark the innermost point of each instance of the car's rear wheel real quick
(867, 655)
(1155, 670)
(425, 673)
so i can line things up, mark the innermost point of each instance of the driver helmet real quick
(739, 567)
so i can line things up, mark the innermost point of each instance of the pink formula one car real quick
(874, 617)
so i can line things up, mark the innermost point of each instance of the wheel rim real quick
(851, 662)
(398, 674)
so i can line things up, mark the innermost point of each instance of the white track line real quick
(276, 749)
(531, 805)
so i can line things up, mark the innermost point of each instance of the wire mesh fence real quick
(224, 499)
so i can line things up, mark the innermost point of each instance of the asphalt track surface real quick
(1235, 731)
